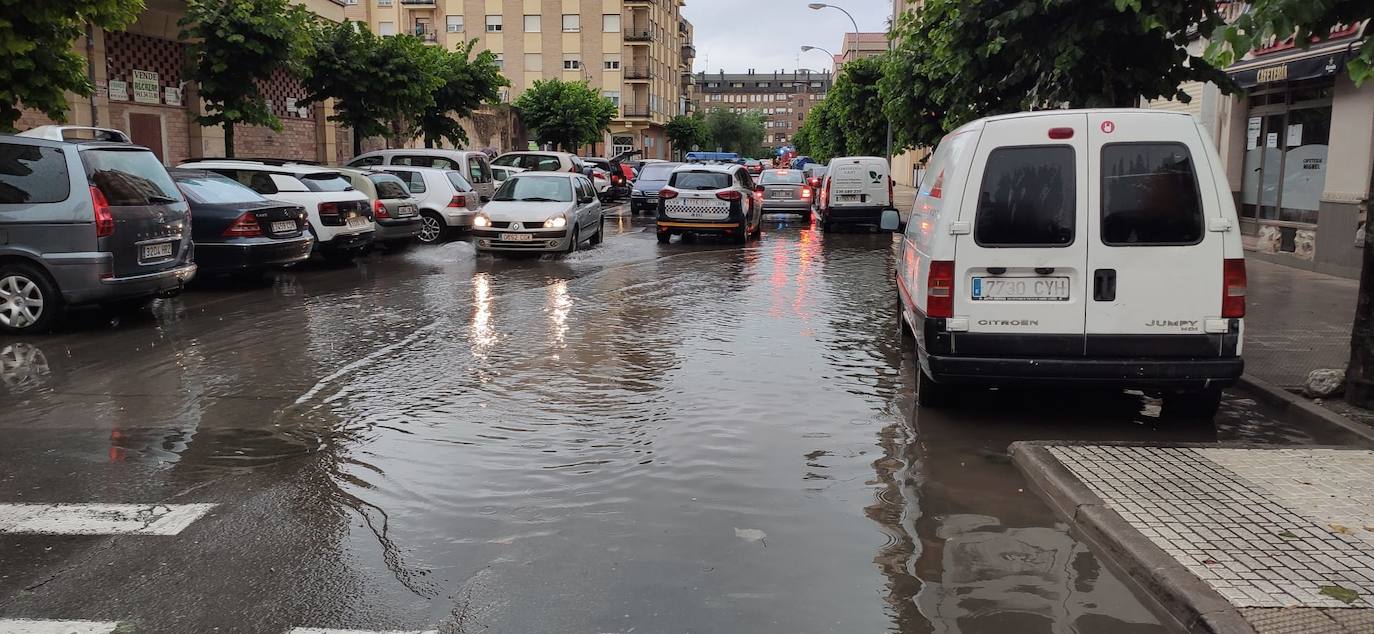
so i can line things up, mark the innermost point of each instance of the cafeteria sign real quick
(146, 88)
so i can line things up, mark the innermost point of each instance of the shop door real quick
(146, 130)
(1263, 178)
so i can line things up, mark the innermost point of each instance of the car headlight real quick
(556, 222)
(481, 220)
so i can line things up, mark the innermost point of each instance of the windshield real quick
(700, 180)
(535, 189)
(389, 186)
(509, 160)
(326, 182)
(214, 189)
(781, 177)
(459, 183)
(130, 177)
(657, 171)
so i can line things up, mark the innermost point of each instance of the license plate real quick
(357, 221)
(846, 198)
(155, 251)
(1021, 289)
(405, 210)
(516, 237)
(782, 194)
(284, 226)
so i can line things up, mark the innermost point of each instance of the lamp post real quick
(806, 49)
(817, 6)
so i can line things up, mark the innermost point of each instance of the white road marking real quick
(321, 630)
(26, 626)
(99, 519)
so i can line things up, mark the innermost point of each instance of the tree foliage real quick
(685, 131)
(468, 82)
(565, 113)
(822, 133)
(958, 61)
(1303, 20)
(37, 63)
(849, 121)
(740, 132)
(236, 44)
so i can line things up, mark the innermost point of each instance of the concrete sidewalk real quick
(1296, 321)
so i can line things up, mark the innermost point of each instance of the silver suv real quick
(88, 218)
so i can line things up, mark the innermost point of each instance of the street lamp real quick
(817, 6)
(806, 49)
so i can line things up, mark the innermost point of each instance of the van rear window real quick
(131, 177)
(32, 174)
(1149, 195)
(1027, 198)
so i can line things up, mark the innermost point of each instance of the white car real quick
(340, 216)
(1079, 247)
(474, 167)
(854, 190)
(710, 199)
(447, 202)
(540, 212)
(542, 161)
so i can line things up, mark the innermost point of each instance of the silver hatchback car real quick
(540, 212)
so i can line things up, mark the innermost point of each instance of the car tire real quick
(575, 241)
(806, 216)
(664, 237)
(21, 284)
(743, 236)
(600, 232)
(1201, 405)
(931, 394)
(433, 228)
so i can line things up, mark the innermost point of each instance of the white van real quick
(474, 167)
(1093, 247)
(855, 190)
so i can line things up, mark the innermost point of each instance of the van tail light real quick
(892, 202)
(1061, 133)
(379, 210)
(940, 289)
(667, 193)
(937, 188)
(1233, 284)
(806, 192)
(458, 200)
(245, 226)
(104, 220)
(732, 195)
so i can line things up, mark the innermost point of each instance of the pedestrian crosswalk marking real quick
(99, 519)
(28, 626)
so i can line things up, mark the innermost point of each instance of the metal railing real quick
(634, 111)
(635, 72)
(638, 34)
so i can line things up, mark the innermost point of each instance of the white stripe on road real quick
(320, 630)
(99, 519)
(26, 626)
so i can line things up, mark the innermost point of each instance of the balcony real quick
(638, 3)
(636, 72)
(419, 4)
(634, 112)
(689, 51)
(639, 34)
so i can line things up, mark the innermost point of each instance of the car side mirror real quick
(890, 221)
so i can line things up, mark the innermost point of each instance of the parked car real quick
(541, 211)
(754, 166)
(474, 166)
(652, 178)
(542, 161)
(813, 173)
(446, 201)
(709, 199)
(85, 222)
(236, 230)
(395, 211)
(1013, 272)
(800, 162)
(854, 190)
(615, 185)
(785, 191)
(502, 172)
(340, 216)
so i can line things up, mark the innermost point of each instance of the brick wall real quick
(32, 119)
(295, 141)
(176, 123)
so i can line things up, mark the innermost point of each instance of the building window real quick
(815, 84)
(493, 24)
(385, 29)
(613, 95)
(501, 61)
(534, 62)
(454, 23)
(737, 84)
(532, 23)
(610, 23)
(715, 97)
(572, 62)
(712, 84)
(350, 2)
(612, 62)
(1287, 136)
(572, 22)
(383, 3)
(762, 84)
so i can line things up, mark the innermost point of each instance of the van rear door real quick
(1155, 270)
(1020, 239)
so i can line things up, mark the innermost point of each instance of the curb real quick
(1300, 409)
(1174, 594)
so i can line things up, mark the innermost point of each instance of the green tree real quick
(822, 135)
(958, 61)
(685, 131)
(860, 107)
(236, 44)
(37, 63)
(1303, 20)
(468, 82)
(740, 132)
(565, 113)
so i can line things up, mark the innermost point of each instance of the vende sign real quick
(146, 87)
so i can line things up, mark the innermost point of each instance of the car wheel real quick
(1191, 405)
(575, 241)
(600, 232)
(806, 216)
(757, 233)
(742, 236)
(432, 227)
(931, 394)
(664, 237)
(29, 302)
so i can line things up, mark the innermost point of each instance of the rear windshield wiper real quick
(161, 199)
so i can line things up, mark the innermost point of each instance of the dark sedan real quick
(235, 230)
(652, 178)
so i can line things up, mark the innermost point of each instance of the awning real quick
(1319, 61)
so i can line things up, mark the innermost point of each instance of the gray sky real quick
(766, 35)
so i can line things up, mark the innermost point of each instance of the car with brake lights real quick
(447, 203)
(785, 191)
(702, 199)
(393, 209)
(540, 212)
(236, 230)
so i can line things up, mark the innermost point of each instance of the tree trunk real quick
(228, 139)
(1359, 376)
(357, 141)
(429, 141)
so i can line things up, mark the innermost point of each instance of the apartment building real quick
(783, 98)
(633, 51)
(859, 46)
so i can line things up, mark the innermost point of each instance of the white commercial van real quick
(855, 190)
(1094, 247)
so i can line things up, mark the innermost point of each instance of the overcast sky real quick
(766, 35)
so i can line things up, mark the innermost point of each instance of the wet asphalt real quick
(634, 438)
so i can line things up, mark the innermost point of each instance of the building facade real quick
(783, 98)
(859, 46)
(632, 51)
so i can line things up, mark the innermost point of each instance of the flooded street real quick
(635, 438)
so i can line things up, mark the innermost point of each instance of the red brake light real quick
(1061, 133)
(940, 289)
(815, 182)
(329, 209)
(936, 188)
(890, 200)
(806, 192)
(458, 200)
(104, 220)
(245, 226)
(379, 210)
(729, 195)
(667, 193)
(1233, 288)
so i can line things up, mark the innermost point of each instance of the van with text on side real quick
(1076, 247)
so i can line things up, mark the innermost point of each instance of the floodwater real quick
(635, 438)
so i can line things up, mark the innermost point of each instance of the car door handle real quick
(1104, 285)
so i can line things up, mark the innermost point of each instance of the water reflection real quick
(23, 367)
(483, 334)
(559, 304)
